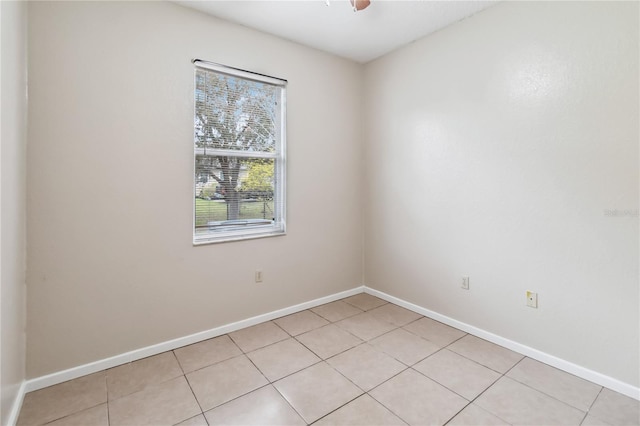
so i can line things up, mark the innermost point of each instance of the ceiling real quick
(361, 36)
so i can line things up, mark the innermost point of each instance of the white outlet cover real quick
(465, 283)
(532, 299)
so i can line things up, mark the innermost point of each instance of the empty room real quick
(340, 212)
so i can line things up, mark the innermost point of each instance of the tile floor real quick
(357, 361)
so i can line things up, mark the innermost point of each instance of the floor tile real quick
(472, 415)
(363, 411)
(205, 353)
(416, 370)
(224, 381)
(395, 314)
(264, 406)
(365, 326)
(434, 331)
(96, 416)
(165, 404)
(316, 391)
(365, 366)
(258, 336)
(615, 408)
(365, 301)
(566, 387)
(301, 322)
(60, 400)
(336, 311)
(328, 341)
(135, 376)
(594, 421)
(404, 346)
(463, 376)
(282, 358)
(198, 420)
(518, 404)
(418, 400)
(486, 353)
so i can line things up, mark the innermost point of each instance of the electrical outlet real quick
(465, 283)
(532, 299)
(258, 276)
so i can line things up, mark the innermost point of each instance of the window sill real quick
(228, 236)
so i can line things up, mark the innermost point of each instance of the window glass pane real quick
(234, 113)
(234, 191)
(239, 153)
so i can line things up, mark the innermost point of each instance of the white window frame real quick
(243, 230)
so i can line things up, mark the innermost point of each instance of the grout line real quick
(212, 364)
(318, 355)
(233, 342)
(263, 347)
(469, 402)
(339, 372)
(437, 344)
(278, 325)
(584, 418)
(73, 414)
(406, 368)
(336, 409)
(325, 360)
(289, 403)
(194, 394)
(479, 408)
(545, 394)
(434, 380)
(238, 397)
(380, 402)
(476, 398)
(591, 406)
(339, 300)
(584, 373)
(478, 363)
(106, 386)
(190, 388)
(502, 375)
(259, 371)
(305, 346)
(456, 414)
(364, 392)
(596, 398)
(385, 381)
(178, 361)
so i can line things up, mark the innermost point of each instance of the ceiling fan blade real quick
(360, 4)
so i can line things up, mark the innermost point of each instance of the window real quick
(239, 153)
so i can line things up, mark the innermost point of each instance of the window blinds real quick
(239, 147)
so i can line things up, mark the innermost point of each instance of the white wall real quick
(12, 203)
(111, 265)
(493, 149)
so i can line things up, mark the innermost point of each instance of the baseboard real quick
(561, 364)
(93, 367)
(17, 404)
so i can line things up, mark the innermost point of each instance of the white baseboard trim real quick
(569, 367)
(94, 367)
(17, 404)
